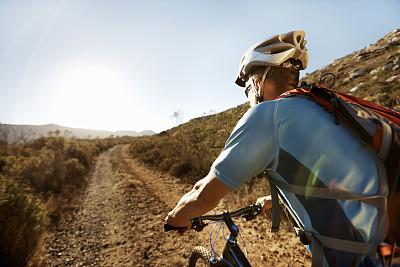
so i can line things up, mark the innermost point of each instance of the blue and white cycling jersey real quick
(298, 142)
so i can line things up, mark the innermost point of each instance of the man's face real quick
(251, 92)
(252, 97)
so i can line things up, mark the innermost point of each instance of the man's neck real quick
(270, 92)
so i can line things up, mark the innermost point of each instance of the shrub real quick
(181, 168)
(74, 170)
(22, 220)
(167, 163)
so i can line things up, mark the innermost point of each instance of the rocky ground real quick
(371, 73)
(120, 223)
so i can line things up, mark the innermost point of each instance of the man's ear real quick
(258, 82)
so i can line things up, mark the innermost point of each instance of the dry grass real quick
(128, 184)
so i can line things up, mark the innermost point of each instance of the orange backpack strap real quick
(392, 164)
(387, 250)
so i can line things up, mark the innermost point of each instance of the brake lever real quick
(198, 225)
(168, 228)
(252, 214)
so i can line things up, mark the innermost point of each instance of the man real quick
(291, 140)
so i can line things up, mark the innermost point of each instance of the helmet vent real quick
(277, 49)
(298, 39)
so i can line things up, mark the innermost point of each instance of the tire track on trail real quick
(120, 219)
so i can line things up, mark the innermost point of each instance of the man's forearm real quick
(189, 206)
(204, 196)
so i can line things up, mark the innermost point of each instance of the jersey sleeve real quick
(252, 147)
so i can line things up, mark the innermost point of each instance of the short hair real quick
(279, 76)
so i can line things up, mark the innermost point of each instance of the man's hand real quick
(186, 224)
(266, 204)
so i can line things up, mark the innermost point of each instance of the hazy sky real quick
(129, 65)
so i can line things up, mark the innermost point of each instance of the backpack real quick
(379, 130)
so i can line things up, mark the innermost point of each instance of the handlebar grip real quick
(168, 227)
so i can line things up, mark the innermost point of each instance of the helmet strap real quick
(259, 91)
(265, 75)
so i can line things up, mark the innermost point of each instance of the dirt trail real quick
(120, 223)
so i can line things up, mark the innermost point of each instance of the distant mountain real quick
(25, 133)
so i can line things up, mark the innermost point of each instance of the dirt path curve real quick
(120, 222)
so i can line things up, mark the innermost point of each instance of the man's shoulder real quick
(274, 110)
(293, 109)
(296, 104)
(260, 110)
(292, 103)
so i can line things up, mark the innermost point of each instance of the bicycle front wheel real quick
(200, 257)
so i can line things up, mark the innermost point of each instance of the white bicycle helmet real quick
(275, 51)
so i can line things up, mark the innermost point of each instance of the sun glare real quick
(91, 96)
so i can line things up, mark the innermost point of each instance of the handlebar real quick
(248, 212)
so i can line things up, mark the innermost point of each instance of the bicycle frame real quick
(232, 253)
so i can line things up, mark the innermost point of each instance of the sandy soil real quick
(120, 223)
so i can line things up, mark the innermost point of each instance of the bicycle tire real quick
(200, 255)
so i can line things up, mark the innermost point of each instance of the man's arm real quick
(204, 196)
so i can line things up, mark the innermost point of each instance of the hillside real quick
(188, 150)
(26, 133)
(372, 73)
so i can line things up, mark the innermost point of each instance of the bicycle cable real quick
(215, 239)
(222, 224)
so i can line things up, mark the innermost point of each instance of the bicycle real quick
(232, 255)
